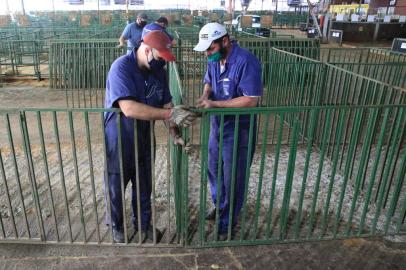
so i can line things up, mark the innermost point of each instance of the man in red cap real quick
(137, 84)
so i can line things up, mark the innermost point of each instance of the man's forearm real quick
(239, 102)
(121, 40)
(142, 111)
(206, 91)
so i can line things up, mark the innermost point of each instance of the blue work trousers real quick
(145, 181)
(224, 177)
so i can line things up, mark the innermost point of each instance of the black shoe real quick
(118, 236)
(149, 235)
(224, 236)
(211, 215)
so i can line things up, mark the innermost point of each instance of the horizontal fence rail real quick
(52, 177)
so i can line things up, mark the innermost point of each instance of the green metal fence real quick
(318, 172)
(342, 170)
(81, 68)
(376, 63)
(22, 58)
(296, 190)
(52, 171)
(289, 19)
(383, 65)
(25, 51)
(301, 81)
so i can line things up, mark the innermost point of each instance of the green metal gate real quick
(52, 175)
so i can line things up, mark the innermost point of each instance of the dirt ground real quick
(350, 254)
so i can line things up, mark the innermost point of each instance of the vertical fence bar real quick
(106, 181)
(137, 181)
(31, 172)
(76, 169)
(91, 172)
(310, 135)
(341, 124)
(289, 180)
(168, 187)
(122, 185)
(233, 176)
(374, 169)
(396, 193)
(44, 157)
(3, 175)
(220, 180)
(203, 180)
(391, 150)
(247, 172)
(354, 135)
(17, 174)
(323, 149)
(366, 144)
(58, 147)
(152, 138)
(274, 177)
(184, 179)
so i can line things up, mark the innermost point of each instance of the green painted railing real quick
(52, 171)
(301, 81)
(352, 145)
(81, 68)
(298, 189)
(22, 58)
(376, 63)
(25, 51)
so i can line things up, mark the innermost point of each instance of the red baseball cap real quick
(160, 41)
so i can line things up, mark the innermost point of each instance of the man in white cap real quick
(232, 80)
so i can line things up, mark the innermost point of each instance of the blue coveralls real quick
(132, 33)
(241, 77)
(126, 81)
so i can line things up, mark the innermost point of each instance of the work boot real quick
(223, 236)
(149, 235)
(118, 236)
(211, 215)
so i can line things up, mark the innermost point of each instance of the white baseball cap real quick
(207, 34)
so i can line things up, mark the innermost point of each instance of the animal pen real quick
(329, 162)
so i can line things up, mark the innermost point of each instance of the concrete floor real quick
(341, 254)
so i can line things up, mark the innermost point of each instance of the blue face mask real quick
(155, 65)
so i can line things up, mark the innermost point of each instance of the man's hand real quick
(120, 46)
(178, 140)
(204, 102)
(182, 116)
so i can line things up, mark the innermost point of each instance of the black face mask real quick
(142, 24)
(155, 65)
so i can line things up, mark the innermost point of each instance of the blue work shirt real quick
(132, 33)
(155, 26)
(126, 81)
(240, 77)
